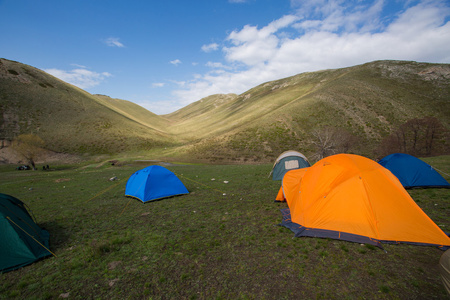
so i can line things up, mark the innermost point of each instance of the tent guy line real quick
(104, 191)
(31, 236)
(214, 189)
(440, 171)
(26, 241)
(125, 207)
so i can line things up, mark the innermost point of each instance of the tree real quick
(412, 133)
(30, 147)
(419, 137)
(324, 143)
(332, 140)
(434, 131)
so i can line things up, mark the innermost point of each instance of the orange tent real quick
(294, 178)
(353, 198)
(280, 196)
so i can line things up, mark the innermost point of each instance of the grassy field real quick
(219, 242)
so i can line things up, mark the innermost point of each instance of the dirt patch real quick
(62, 180)
(8, 156)
(436, 72)
(114, 264)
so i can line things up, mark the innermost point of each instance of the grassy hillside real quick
(368, 101)
(67, 118)
(218, 242)
(363, 103)
(134, 112)
(206, 117)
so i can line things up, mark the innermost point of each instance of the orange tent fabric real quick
(294, 177)
(280, 196)
(353, 198)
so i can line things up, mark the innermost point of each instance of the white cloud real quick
(79, 66)
(216, 65)
(179, 83)
(158, 84)
(81, 78)
(252, 46)
(175, 62)
(113, 42)
(210, 47)
(330, 34)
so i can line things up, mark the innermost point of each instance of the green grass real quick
(205, 245)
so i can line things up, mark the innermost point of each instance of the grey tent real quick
(288, 160)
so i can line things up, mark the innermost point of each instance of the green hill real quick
(70, 119)
(360, 105)
(366, 101)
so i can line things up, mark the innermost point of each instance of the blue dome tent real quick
(413, 172)
(153, 183)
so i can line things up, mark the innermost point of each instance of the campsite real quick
(223, 237)
(222, 240)
(234, 149)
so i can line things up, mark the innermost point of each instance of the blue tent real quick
(413, 172)
(152, 183)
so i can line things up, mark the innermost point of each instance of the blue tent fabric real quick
(413, 172)
(301, 231)
(153, 183)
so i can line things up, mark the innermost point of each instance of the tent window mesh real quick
(291, 164)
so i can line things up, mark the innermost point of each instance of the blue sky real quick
(164, 55)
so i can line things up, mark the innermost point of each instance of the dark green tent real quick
(22, 242)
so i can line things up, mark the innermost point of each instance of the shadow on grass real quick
(59, 235)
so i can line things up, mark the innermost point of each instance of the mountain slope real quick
(68, 118)
(134, 112)
(362, 103)
(367, 101)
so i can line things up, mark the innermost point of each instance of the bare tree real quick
(411, 132)
(30, 147)
(324, 143)
(390, 144)
(332, 140)
(417, 137)
(434, 131)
